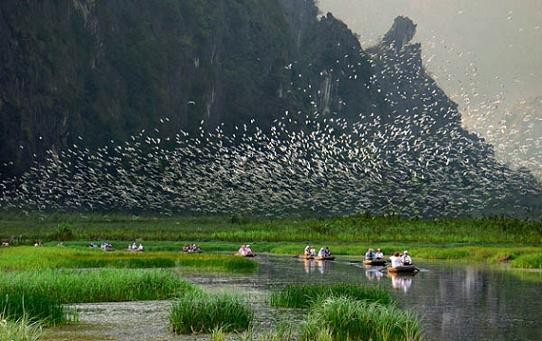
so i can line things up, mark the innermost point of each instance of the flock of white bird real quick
(312, 163)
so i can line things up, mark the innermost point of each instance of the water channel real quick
(454, 301)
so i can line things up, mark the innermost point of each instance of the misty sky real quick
(476, 49)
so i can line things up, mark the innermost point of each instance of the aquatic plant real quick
(20, 305)
(531, 261)
(304, 295)
(199, 312)
(347, 319)
(104, 285)
(26, 258)
(20, 330)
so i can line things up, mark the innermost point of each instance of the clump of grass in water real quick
(533, 261)
(21, 329)
(104, 285)
(303, 295)
(346, 319)
(41, 295)
(199, 312)
(26, 258)
(21, 305)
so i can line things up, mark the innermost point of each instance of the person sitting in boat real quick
(249, 250)
(322, 252)
(307, 251)
(405, 258)
(313, 252)
(396, 260)
(379, 255)
(369, 255)
(327, 252)
(242, 250)
(140, 248)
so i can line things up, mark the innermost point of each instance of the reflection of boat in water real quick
(404, 269)
(323, 265)
(310, 265)
(401, 281)
(373, 275)
(374, 262)
(324, 258)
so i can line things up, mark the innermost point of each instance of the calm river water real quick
(455, 302)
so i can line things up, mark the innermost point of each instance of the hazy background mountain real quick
(485, 54)
(117, 84)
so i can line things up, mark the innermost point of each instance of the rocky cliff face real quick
(85, 73)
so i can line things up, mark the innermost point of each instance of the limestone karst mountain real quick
(84, 74)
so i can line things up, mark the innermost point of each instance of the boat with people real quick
(324, 258)
(305, 257)
(245, 251)
(402, 264)
(403, 269)
(374, 262)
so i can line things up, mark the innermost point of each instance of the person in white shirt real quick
(406, 258)
(396, 260)
(379, 254)
(322, 252)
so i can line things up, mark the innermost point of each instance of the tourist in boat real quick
(379, 255)
(140, 248)
(396, 260)
(369, 255)
(322, 252)
(249, 251)
(405, 258)
(313, 252)
(307, 251)
(242, 250)
(327, 252)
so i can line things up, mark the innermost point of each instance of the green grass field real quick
(57, 227)
(486, 240)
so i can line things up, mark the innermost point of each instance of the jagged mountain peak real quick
(401, 33)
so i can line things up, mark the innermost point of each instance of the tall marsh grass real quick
(304, 295)
(346, 319)
(32, 258)
(41, 295)
(532, 261)
(103, 285)
(200, 312)
(19, 330)
(56, 226)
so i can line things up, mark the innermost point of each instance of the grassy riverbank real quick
(487, 240)
(35, 258)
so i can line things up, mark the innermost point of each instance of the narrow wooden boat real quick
(403, 269)
(305, 257)
(375, 262)
(324, 258)
(248, 255)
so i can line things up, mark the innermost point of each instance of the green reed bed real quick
(200, 312)
(103, 285)
(40, 295)
(304, 295)
(19, 305)
(530, 261)
(346, 319)
(54, 226)
(27, 258)
(20, 330)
